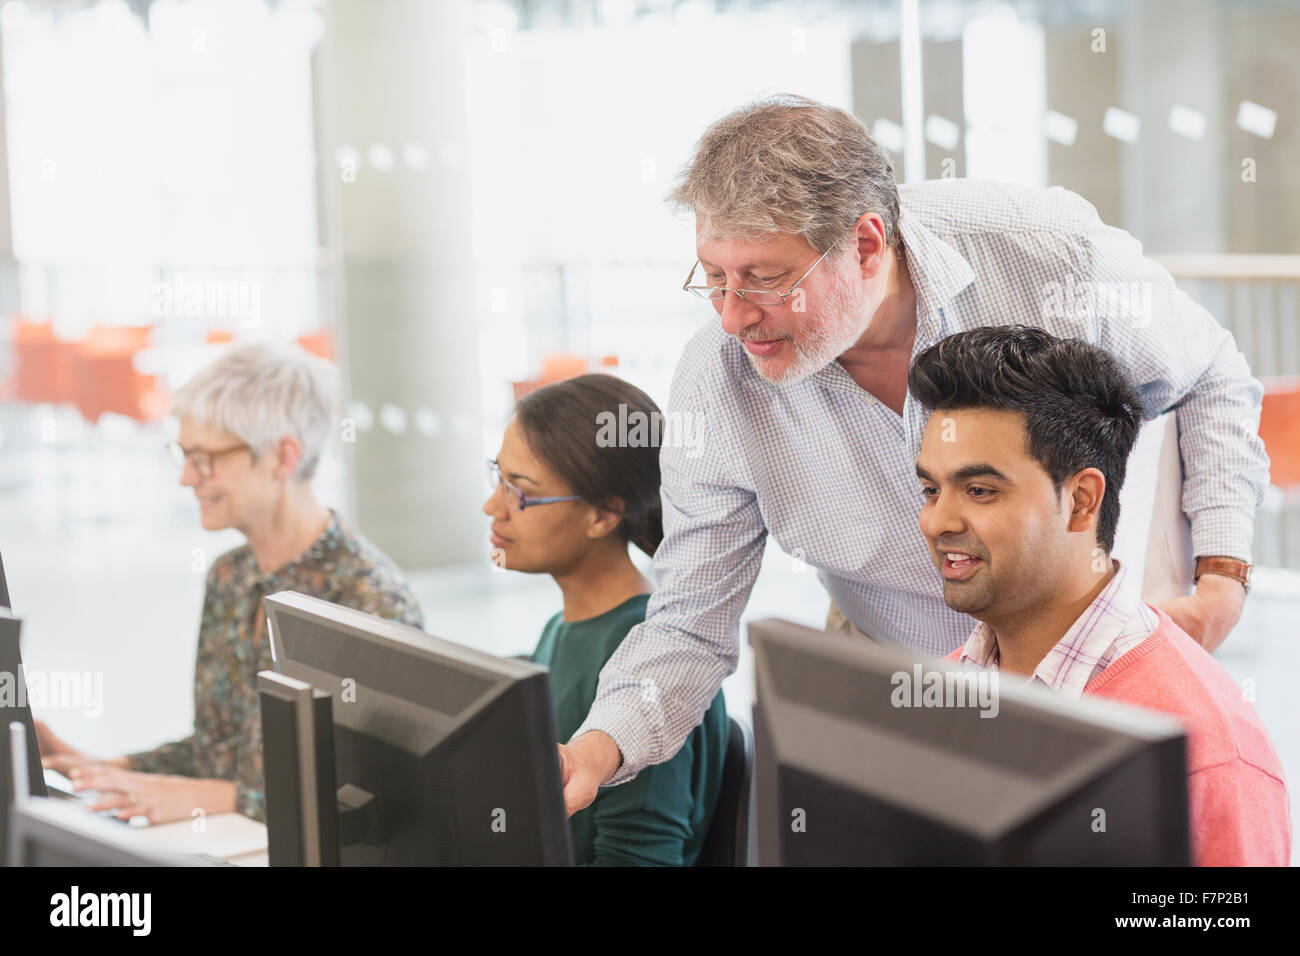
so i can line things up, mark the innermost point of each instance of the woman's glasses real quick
(202, 459)
(516, 500)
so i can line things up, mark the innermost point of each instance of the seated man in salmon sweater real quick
(1020, 468)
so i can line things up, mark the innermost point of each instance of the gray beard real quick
(823, 346)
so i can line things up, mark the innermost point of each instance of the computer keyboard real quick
(59, 786)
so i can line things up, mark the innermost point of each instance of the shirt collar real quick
(1114, 620)
(937, 270)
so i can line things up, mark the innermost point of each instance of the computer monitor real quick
(298, 763)
(442, 754)
(868, 755)
(15, 709)
(13, 779)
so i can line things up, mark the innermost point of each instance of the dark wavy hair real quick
(560, 422)
(1081, 408)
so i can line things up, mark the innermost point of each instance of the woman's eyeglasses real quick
(516, 500)
(202, 459)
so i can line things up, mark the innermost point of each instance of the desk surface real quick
(250, 859)
(226, 836)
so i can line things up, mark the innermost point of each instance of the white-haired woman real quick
(252, 428)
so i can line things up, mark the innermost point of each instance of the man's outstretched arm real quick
(656, 687)
(1182, 358)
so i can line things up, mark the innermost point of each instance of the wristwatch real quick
(1239, 571)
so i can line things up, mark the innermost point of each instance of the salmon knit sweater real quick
(1237, 798)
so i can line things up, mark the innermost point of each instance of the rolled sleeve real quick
(1182, 359)
(175, 758)
(1224, 461)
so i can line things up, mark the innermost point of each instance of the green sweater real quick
(662, 815)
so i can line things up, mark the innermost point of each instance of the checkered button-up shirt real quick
(828, 470)
(1115, 622)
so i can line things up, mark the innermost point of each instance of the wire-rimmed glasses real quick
(713, 293)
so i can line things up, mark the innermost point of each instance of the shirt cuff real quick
(627, 727)
(174, 758)
(1224, 532)
(139, 763)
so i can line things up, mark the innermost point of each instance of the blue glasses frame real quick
(515, 495)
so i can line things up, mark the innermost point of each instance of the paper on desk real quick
(222, 835)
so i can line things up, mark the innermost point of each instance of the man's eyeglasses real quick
(516, 500)
(757, 296)
(201, 458)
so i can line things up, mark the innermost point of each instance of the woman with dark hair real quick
(566, 501)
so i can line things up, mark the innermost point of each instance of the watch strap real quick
(1239, 571)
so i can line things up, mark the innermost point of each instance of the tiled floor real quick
(122, 597)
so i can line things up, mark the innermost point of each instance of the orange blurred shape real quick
(219, 337)
(320, 342)
(105, 378)
(106, 339)
(43, 364)
(555, 368)
(558, 367)
(1279, 428)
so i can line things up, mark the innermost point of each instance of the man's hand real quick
(1210, 613)
(585, 764)
(159, 797)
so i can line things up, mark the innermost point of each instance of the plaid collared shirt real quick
(829, 471)
(1117, 621)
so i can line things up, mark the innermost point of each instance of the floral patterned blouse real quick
(340, 566)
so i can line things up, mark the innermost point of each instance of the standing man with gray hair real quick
(828, 279)
(253, 425)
